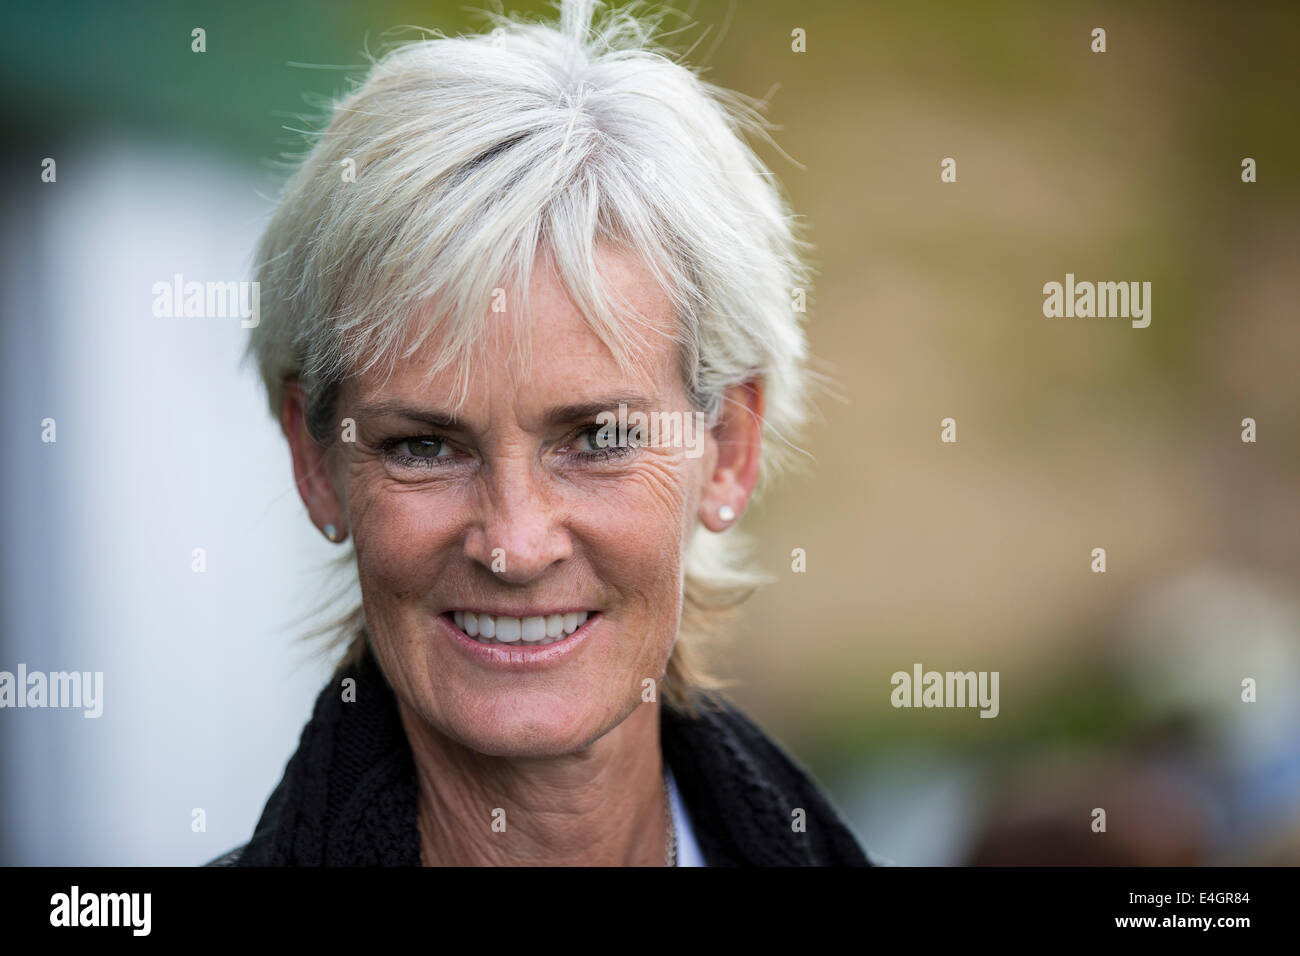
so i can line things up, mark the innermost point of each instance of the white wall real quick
(164, 445)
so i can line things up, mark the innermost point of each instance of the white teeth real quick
(510, 630)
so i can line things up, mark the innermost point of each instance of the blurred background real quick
(1119, 690)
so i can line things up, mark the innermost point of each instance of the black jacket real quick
(348, 795)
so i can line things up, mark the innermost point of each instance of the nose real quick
(520, 530)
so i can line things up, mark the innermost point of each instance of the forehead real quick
(558, 359)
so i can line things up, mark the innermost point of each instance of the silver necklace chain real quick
(670, 850)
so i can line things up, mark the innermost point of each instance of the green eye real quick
(416, 452)
(592, 445)
(424, 447)
(427, 451)
(590, 439)
(595, 441)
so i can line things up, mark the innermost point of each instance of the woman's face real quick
(514, 510)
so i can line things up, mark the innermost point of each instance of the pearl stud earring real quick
(725, 513)
(331, 532)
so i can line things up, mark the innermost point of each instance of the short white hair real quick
(441, 177)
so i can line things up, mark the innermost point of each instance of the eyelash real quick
(608, 453)
(602, 454)
(415, 461)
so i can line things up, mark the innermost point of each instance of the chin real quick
(531, 723)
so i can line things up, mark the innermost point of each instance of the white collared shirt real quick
(688, 851)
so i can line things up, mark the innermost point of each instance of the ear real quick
(739, 437)
(310, 463)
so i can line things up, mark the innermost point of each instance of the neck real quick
(602, 805)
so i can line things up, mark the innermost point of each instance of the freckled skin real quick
(608, 535)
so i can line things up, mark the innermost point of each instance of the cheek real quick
(634, 529)
(650, 503)
(637, 531)
(401, 534)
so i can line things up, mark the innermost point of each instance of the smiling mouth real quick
(518, 631)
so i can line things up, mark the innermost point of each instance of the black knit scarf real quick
(348, 795)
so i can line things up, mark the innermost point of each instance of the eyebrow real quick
(560, 415)
(431, 417)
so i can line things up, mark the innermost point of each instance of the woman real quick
(508, 280)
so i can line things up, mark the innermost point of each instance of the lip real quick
(544, 612)
(519, 657)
